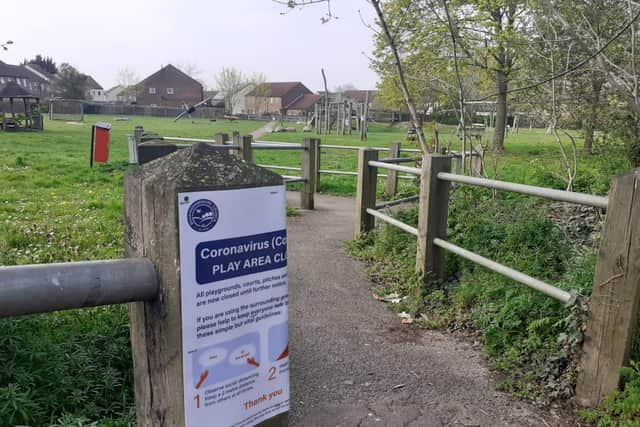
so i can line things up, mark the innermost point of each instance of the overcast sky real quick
(101, 37)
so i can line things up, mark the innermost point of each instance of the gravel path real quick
(354, 364)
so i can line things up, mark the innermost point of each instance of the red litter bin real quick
(100, 142)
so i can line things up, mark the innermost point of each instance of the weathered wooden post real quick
(477, 154)
(246, 150)
(201, 356)
(137, 134)
(318, 153)
(221, 138)
(308, 172)
(366, 190)
(236, 140)
(392, 175)
(613, 308)
(432, 216)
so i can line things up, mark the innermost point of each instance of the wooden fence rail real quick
(615, 299)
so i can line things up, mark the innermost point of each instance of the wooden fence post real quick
(308, 172)
(246, 151)
(432, 216)
(366, 190)
(221, 138)
(392, 175)
(137, 134)
(151, 230)
(477, 154)
(613, 309)
(318, 149)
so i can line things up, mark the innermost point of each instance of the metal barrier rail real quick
(399, 160)
(328, 172)
(386, 218)
(278, 146)
(397, 202)
(215, 147)
(547, 193)
(288, 179)
(40, 288)
(547, 289)
(406, 169)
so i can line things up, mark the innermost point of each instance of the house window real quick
(152, 91)
(170, 91)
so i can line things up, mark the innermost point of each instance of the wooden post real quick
(246, 151)
(221, 138)
(613, 309)
(151, 207)
(137, 134)
(308, 160)
(237, 141)
(366, 190)
(318, 154)
(476, 161)
(432, 216)
(392, 176)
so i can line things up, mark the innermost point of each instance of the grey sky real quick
(100, 37)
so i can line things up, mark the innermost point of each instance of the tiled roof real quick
(306, 102)
(14, 90)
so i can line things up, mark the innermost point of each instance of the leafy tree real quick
(606, 34)
(231, 81)
(127, 78)
(44, 62)
(70, 83)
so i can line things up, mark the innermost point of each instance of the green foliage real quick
(621, 409)
(530, 337)
(66, 369)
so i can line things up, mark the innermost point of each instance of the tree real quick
(70, 83)
(193, 71)
(231, 81)
(45, 63)
(344, 87)
(606, 33)
(127, 79)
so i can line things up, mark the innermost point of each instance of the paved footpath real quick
(354, 364)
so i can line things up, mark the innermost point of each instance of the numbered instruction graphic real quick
(226, 360)
(233, 269)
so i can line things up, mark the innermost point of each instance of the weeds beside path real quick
(354, 363)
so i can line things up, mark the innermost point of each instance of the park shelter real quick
(23, 116)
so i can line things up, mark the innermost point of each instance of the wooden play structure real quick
(29, 119)
(341, 114)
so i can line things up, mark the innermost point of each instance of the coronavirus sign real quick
(233, 268)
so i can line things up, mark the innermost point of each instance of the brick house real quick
(305, 105)
(169, 87)
(25, 78)
(274, 97)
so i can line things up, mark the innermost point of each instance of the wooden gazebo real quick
(31, 119)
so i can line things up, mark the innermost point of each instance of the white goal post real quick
(66, 109)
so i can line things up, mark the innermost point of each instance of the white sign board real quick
(233, 270)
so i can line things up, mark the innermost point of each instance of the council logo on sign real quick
(202, 215)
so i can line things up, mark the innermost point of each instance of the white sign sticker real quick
(233, 270)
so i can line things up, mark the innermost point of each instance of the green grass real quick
(530, 157)
(54, 208)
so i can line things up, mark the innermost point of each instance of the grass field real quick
(73, 367)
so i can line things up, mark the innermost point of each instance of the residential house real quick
(274, 97)
(25, 78)
(169, 87)
(360, 96)
(95, 92)
(121, 95)
(305, 105)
